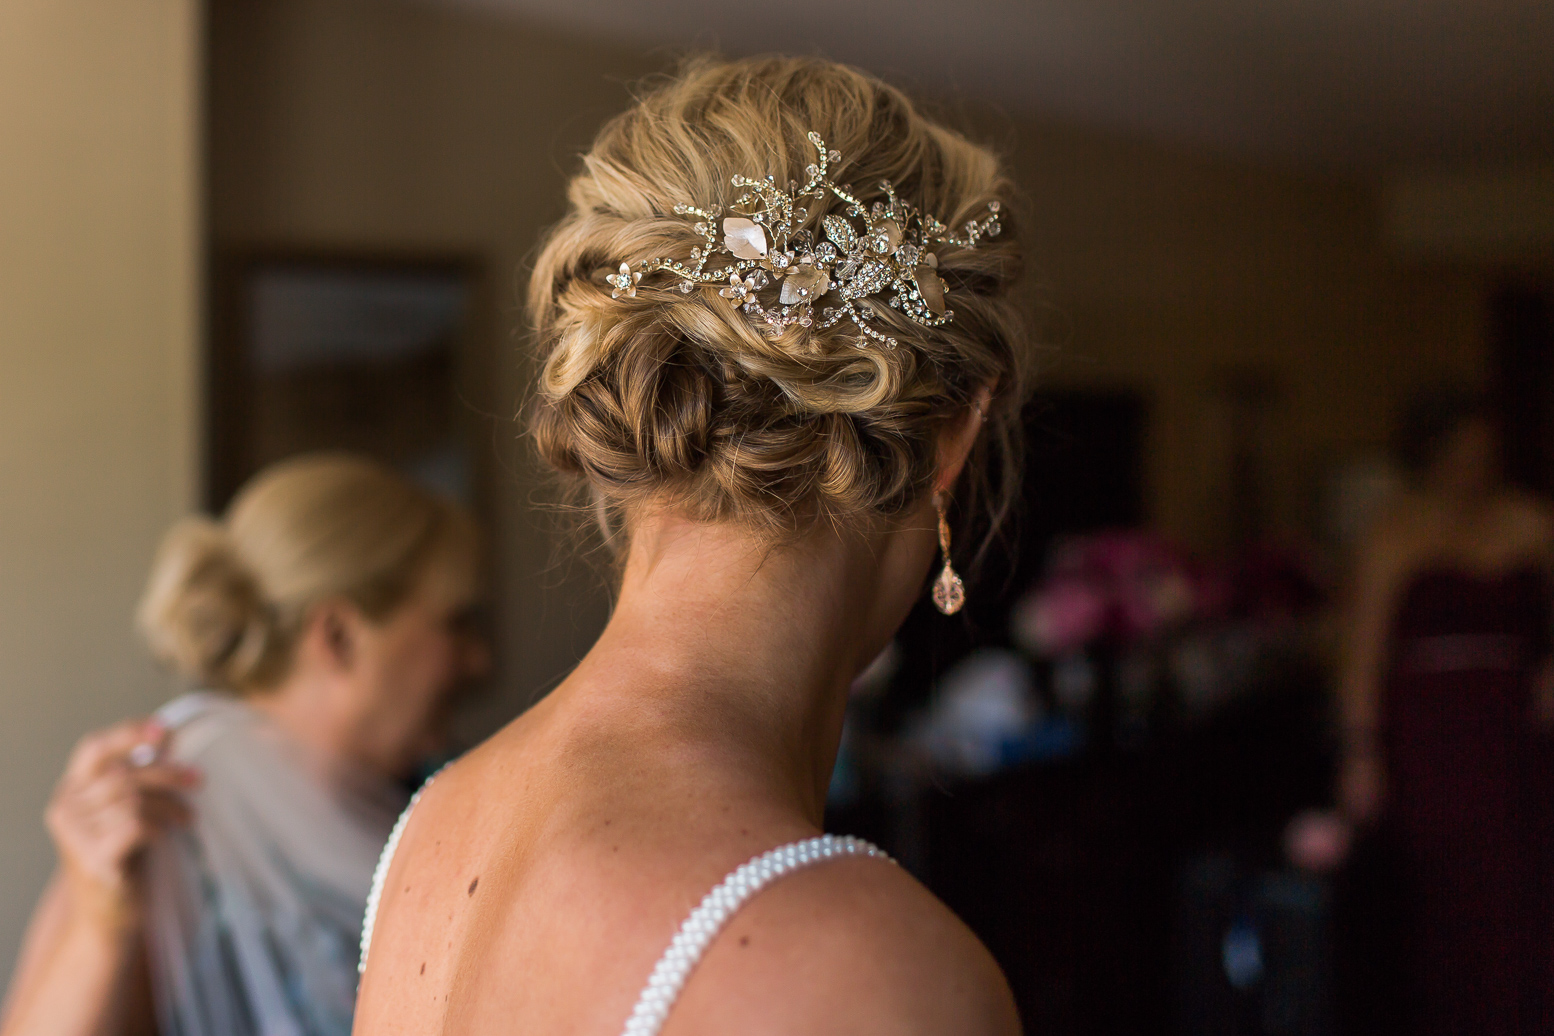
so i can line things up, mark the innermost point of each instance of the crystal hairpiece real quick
(892, 257)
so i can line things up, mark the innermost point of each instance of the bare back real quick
(541, 878)
(1510, 529)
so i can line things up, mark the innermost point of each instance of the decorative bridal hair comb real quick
(891, 258)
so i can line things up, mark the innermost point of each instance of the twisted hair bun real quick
(226, 600)
(675, 396)
(203, 613)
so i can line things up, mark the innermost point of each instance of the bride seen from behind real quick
(773, 474)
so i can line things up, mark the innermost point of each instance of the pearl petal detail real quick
(744, 238)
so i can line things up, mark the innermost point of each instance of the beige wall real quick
(1495, 214)
(98, 297)
(371, 124)
(1171, 272)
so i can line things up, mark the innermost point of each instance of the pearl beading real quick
(702, 926)
(380, 873)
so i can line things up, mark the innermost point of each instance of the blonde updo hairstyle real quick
(227, 599)
(677, 398)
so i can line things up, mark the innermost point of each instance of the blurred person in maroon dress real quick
(1447, 713)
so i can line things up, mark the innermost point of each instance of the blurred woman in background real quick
(1446, 714)
(215, 859)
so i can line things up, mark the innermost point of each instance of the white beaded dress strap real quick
(699, 929)
(380, 873)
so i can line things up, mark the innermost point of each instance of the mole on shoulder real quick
(473, 884)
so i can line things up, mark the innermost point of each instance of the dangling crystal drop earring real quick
(949, 593)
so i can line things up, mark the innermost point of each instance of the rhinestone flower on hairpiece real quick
(625, 283)
(761, 240)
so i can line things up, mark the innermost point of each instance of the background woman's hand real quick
(115, 795)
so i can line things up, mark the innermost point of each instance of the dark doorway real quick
(317, 351)
(1522, 348)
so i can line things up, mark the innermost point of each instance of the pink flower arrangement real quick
(1115, 587)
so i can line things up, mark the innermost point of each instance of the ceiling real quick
(1364, 84)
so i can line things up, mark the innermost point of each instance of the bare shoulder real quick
(848, 946)
(1393, 545)
(1529, 520)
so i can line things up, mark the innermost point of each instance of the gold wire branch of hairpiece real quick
(763, 242)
